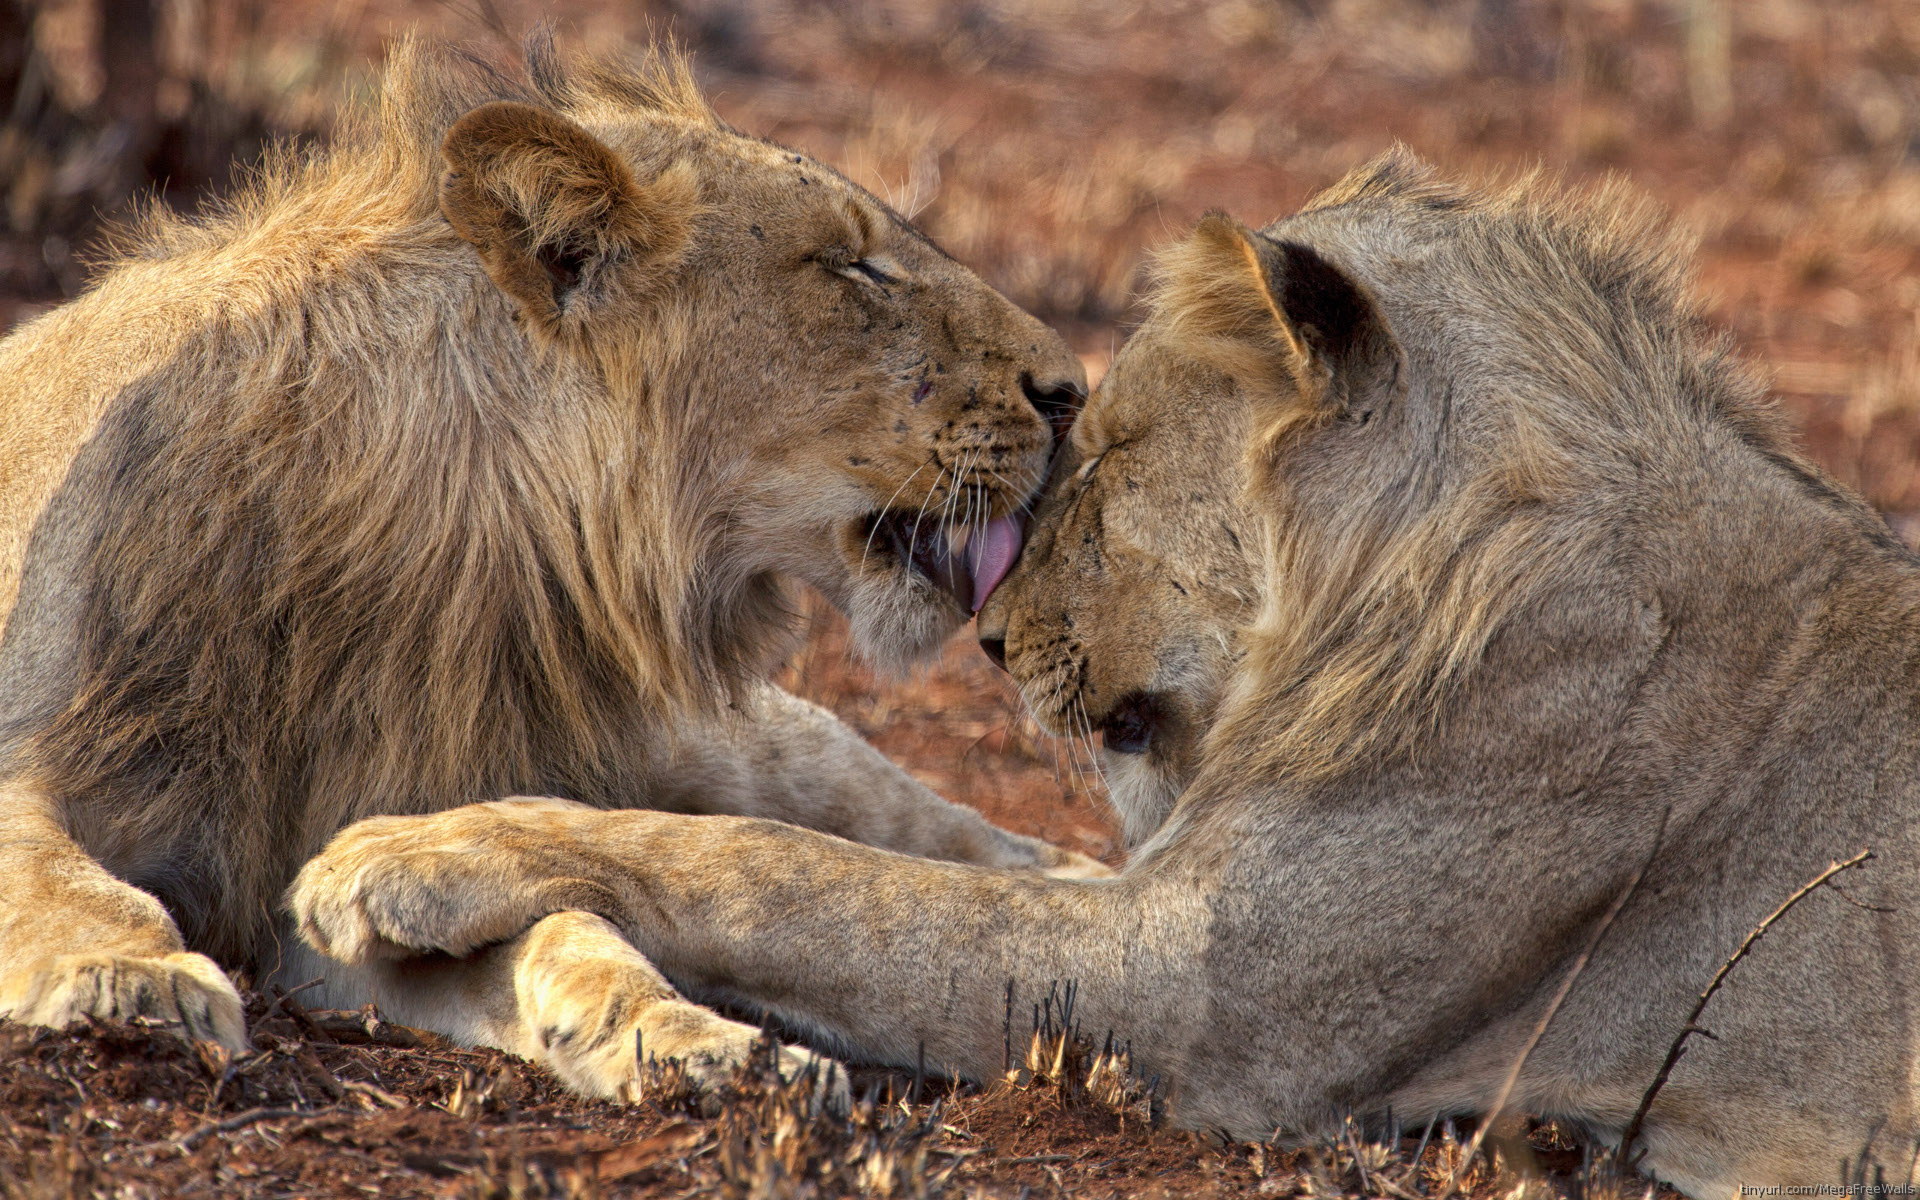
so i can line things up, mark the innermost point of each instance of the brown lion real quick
(472, 457)
(1543, 597)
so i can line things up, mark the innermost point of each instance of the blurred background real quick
(1047, 143)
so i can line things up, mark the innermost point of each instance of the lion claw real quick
(186, 993)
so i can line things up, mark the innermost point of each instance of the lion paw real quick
(614, 1065)
(184, 992)
(447, 883)
(599, 1013)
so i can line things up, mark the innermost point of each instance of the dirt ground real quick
(341, 1105)
(1049, 145)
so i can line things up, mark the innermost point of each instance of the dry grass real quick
(335, 1104)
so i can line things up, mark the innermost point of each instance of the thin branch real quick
(1623, 1156)
(250, 1117)
(1553, 1007)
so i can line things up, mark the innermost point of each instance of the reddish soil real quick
(340, 1104)
(1048, 145)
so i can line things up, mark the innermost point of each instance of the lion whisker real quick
(872, 533)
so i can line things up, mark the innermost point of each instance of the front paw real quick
(712, 1050)
(598, 1013)
(610, 1061)
(183, 992)
(448, 883)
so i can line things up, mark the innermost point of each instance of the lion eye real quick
(860, 268)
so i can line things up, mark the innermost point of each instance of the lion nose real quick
(1057, 400)
(995, 649)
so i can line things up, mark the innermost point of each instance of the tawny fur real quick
(473, 455)
(1537, 584)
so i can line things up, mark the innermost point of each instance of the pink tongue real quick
(991, 553)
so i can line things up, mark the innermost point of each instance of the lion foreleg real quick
(76, 942)
(599, 1010)
(901, 957)
(571, 994)
(788, 760)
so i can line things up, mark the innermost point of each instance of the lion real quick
(480, 455)
(1545, 604)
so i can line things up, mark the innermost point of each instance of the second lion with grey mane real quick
(1537, 584)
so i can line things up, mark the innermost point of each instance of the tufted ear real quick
(1262, 305)
(558, 219)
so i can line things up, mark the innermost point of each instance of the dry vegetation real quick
(1046, 143)
(341, 1104)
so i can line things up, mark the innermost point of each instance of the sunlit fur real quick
(1541, 599)
(470, 455)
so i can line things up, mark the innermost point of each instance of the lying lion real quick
(471, 458)
(1539, 584)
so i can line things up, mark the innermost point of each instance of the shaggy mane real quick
(383, 157)
(1376, 616)
(337, 550)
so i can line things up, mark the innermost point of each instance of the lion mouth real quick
(964, 563)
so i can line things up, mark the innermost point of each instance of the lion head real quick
(868, 415)
(1121, 618)
(1252, 476)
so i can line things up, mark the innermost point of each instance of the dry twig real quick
(252, 1116)
(1553, 1007)
(1624, 1157)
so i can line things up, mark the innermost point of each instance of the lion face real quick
(1234, 428)
(1121, 618)
(910, 410)
(864, 413)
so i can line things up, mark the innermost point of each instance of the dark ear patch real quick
(548, 206)
(1326, 307)
(564, 263)
(1335, 323)
(1262, 306)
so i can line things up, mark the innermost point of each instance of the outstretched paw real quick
(599, 1013)
(449, 882)
(183, 992)
(620, 1064)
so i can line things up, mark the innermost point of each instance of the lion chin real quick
(920, 579)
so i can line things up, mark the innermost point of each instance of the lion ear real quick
(557, 217)
(1266, 305)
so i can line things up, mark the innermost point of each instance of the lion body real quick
(420, 475)
(1559, 595)
(1543, 604)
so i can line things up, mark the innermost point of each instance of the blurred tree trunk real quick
(62, 168)
(129, 59)
(1515, 39)
(1710, 60)
(14, 31)
(130, 69)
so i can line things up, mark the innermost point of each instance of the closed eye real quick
(862, 269)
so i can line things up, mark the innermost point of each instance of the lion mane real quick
(325, 552)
